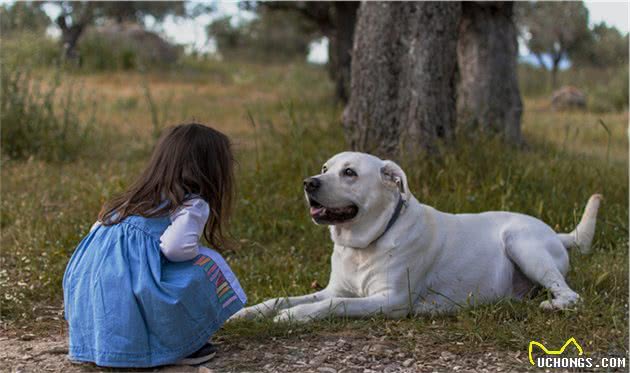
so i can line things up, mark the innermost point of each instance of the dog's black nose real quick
(311, 184)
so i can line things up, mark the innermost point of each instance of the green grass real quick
(41, 122)
(47, 207)
(285, 254)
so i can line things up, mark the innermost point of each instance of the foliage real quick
(277, 35)
(22, 16)
(553, 28)
(227, 36)
(36, 122)
(603, 47)
(38, 50)
(99, 53)
(75, 16)
(135, 11)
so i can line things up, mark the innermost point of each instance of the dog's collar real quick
(395, 216)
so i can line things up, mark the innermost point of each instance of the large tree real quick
(75, 16)
(553, 29)
(488, 95)
(403, 77)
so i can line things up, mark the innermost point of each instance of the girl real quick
(139, 290)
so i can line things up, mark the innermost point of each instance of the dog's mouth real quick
(331, 215)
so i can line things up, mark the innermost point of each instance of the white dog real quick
(396, 256)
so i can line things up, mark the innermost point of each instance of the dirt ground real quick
(346, 351)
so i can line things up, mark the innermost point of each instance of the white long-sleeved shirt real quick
(180, 241)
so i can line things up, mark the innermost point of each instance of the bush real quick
(99, 53)
(38, 120)
(124, 48)
(38, 50)
(612, 96)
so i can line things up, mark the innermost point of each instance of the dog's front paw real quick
(265, 309)
(563, 302)
(248, 313)
(293, 314)
(283, 316)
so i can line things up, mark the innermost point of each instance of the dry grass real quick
(597, 135)
(220, 96)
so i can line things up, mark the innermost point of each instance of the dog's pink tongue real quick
(316, 210)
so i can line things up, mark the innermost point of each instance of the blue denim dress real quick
(128, 306)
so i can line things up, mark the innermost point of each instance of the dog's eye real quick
(349, 172)
(324, 169)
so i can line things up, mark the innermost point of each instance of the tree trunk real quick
(488, 95)
(556, 58)
(81, 14)
(554, 77)
(69, 38)
(403, 77)
(340, 40)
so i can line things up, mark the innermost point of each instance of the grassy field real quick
(285, 124)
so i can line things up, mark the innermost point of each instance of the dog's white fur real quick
(429, 261)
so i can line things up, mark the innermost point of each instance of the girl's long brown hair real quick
(189, 160)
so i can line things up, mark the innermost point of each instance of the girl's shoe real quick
(202, 355)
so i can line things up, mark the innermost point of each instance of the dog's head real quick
(356, 193)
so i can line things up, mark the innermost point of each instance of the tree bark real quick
(488, 93)
(403, 77)
(340, 41)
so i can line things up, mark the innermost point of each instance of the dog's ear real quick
(394, 177)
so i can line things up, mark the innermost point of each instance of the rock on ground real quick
(568, 97)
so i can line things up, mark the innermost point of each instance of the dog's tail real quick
(582, 236)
